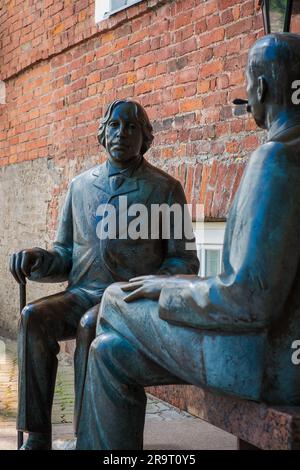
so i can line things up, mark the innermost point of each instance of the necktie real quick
(116, 181)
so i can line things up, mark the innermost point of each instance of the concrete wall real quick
(28, 195)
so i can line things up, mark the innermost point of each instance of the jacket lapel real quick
(101, 181)
(128, 186)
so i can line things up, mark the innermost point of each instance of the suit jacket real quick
(90, 264)
(251, 312)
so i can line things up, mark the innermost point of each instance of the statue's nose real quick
(122, 130)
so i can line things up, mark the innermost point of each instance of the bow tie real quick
(116, 181)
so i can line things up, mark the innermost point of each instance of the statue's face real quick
(255, 98)
(123, 134)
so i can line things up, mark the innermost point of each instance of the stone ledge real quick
(263, 426)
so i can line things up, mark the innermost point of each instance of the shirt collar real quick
(279, 129)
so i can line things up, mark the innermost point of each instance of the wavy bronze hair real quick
(141, 117)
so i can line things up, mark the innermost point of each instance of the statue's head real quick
(125, 131)
(273, 67)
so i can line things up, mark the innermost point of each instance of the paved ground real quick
(166, 427)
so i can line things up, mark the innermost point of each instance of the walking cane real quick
(22, 291)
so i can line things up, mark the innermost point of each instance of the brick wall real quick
(184, 60)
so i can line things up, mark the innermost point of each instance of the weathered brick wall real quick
(184, 60)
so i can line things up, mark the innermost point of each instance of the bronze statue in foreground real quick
(90, 261)
(231, 333)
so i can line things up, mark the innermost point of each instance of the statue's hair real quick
(277, 58)
(141, 117)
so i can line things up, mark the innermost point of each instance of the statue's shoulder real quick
(275, 159)
(87, 175)
(271, 148)
(156, 175)
(276, 152)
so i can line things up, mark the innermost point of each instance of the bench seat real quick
(256, 425)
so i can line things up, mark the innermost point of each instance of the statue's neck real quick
(281, 121)
(132, 163)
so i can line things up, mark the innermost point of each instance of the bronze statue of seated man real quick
(232, 333)
(90, 261)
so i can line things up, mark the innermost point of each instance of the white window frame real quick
(104, 10)
(209, 236)
(201, 251)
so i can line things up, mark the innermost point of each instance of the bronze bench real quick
(256, 425)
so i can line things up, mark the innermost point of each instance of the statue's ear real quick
(262, 89)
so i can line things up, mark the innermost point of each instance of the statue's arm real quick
(261, 255)
(181, 256)
(57, 262)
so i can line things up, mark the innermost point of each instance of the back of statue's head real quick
(276, 57)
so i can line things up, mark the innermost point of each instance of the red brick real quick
(185, 76)
(212, 37)
(226, 17)
(182, 20)
(186, 46)
(211, 68)
(144, 87)
(237, 126)
(191, 105)
(213, 21)
(247, 8)
(184, 33)
(200, 26)
(239, 27)
(223, 4)
(143, 61)
(232, 146)
(204, 181)
(205, 9)
(250, 142)
(170, 109)
(238, 177)
(219, 97)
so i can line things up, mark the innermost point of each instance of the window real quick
(105, 8)
(209, 241)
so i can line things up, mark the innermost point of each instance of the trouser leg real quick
(113, 409)
(85, 335)
(43, 323)
(135, 349)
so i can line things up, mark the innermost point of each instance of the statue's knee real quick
(30, 314)
(99, 346)
(109, 348)
(89, 319)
